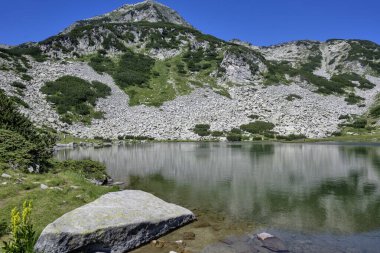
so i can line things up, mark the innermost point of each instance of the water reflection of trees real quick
(301, 186)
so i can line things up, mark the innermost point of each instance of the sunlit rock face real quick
(116, 222)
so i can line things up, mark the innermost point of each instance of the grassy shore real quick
(68, 189)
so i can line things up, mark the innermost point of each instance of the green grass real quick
(160, 88)
(349, 134)
(48, 204)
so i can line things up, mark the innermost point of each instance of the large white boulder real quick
(116, 222)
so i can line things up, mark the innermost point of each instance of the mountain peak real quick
(148, 10)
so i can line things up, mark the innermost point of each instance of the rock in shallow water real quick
(116, 222)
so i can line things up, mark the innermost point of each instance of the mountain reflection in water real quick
(306, 187)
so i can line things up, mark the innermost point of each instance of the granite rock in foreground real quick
(116, 223)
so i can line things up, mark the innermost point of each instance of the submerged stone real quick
(115, 223)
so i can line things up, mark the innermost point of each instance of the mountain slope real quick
(166, 77)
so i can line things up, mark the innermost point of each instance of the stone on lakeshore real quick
(4, 175)
(116, 222)
(44, 187)
(275, 244)
(263, 236)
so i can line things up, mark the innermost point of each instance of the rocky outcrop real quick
(116, 222)
(149, 10)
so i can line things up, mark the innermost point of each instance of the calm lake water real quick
(333, 188)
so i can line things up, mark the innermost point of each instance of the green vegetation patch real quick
(258, 127)
(366, 52)
(201, 59)
(352, 99)
(19, 85)
(347, 80)
(31, 146)
(292, 97)
(339, 84)
(72, 190)
(202, 129)
(132, 69)
(75, 98)
(22, 50)
(291, 137)
(15, 150)
(145, 80)
(234, 137)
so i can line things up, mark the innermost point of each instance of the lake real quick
(314, 188)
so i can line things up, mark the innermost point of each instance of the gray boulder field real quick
(115, 223)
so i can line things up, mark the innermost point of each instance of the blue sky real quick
(261, 22)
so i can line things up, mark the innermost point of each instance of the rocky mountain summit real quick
(148, 10)
(142, 70)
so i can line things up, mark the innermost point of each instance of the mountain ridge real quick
(148, 61)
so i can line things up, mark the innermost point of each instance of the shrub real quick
(202, 129)
(234, 137)
(75, 95)
(217, 133)
(353, 99)
(19, 51)
(19, 101)
(87, 168)
(375, 111)
(291, 137)
(23, 236)
(26, 77)
(257, 127)
(41, 141)
(132, 69)
(19, 85)
(292, 97)
(15, 150)
(236, 131)
(348, 78)
(359, 123)
(337, 133)
(254, 116)
(346, 116)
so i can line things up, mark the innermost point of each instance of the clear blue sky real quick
(261, 22)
